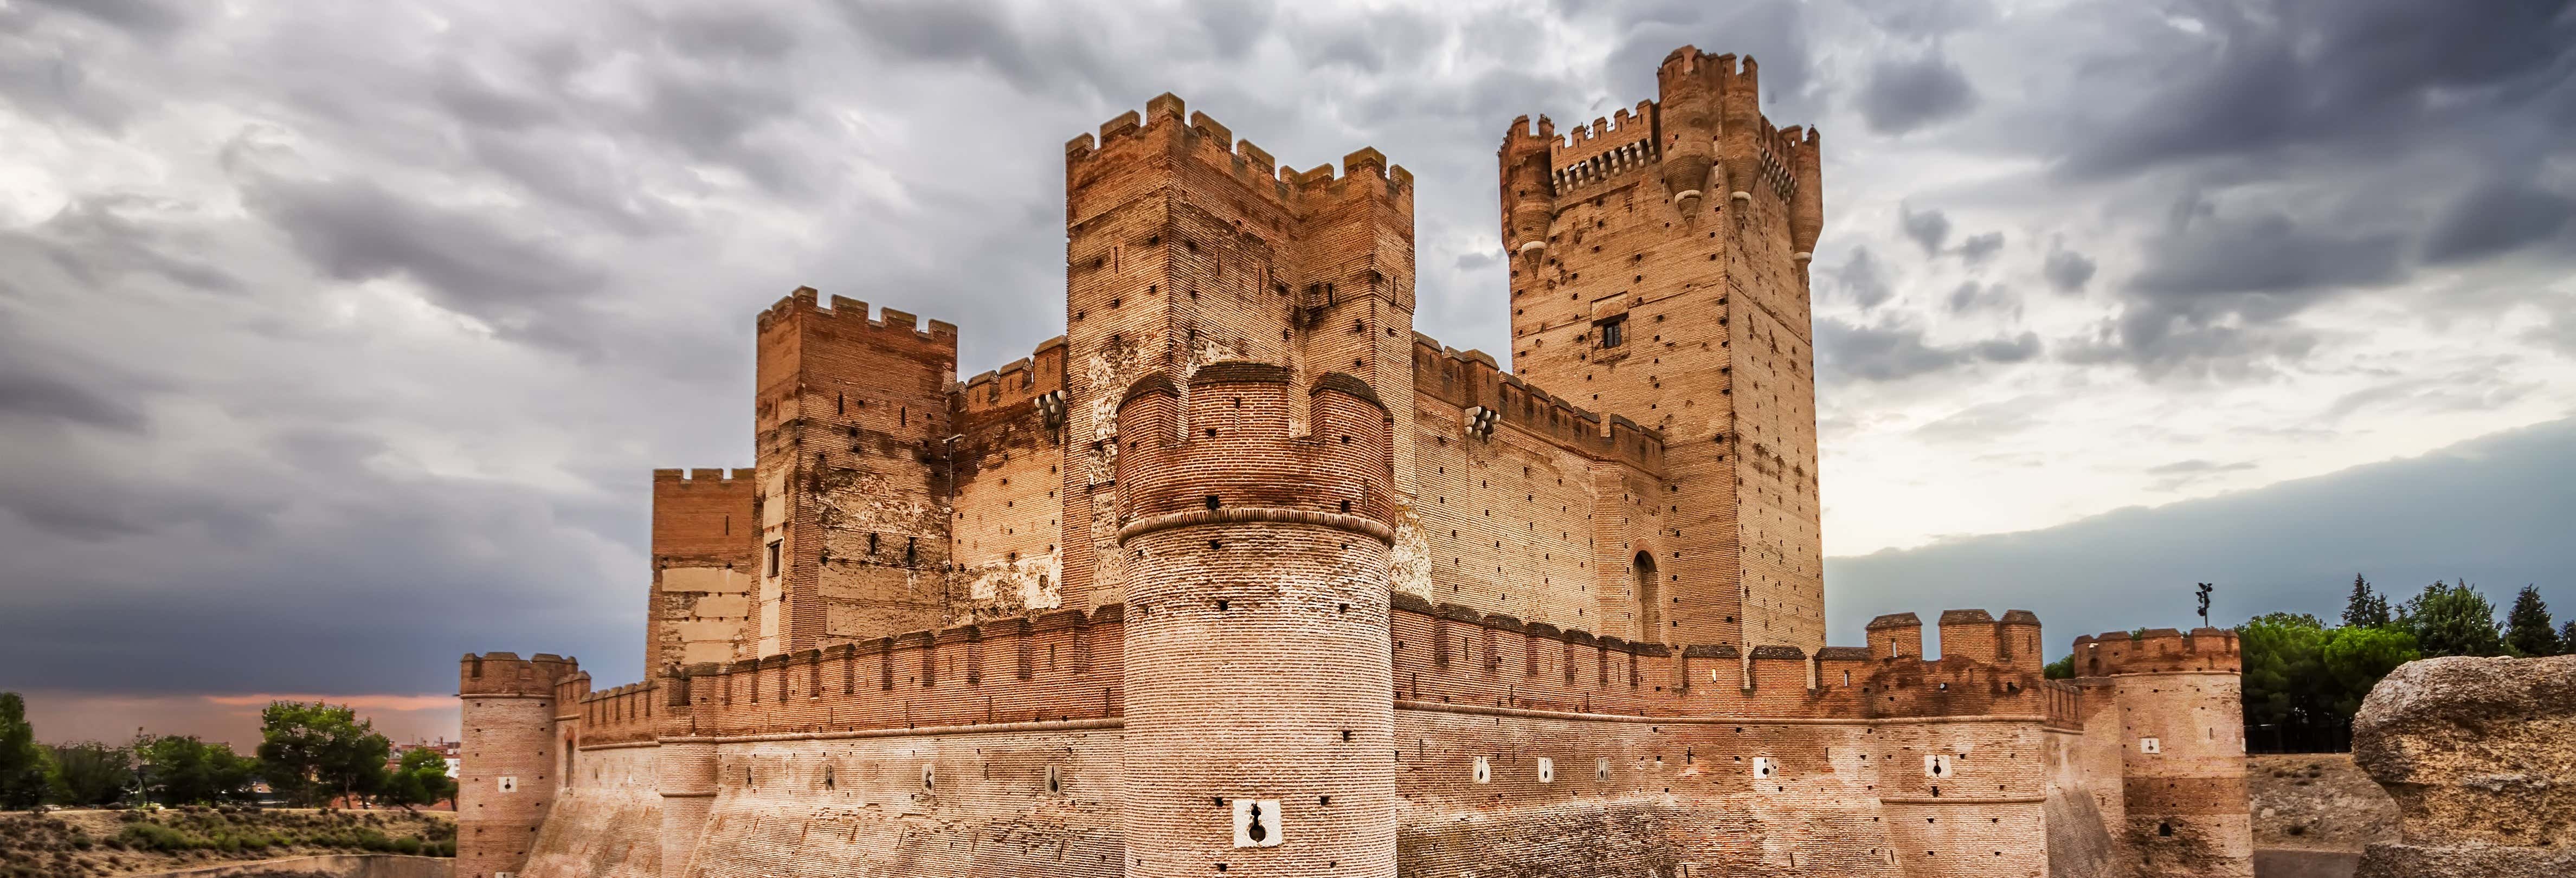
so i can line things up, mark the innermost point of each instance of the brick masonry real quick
(1244, 577)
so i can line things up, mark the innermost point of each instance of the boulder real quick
(2480, 755)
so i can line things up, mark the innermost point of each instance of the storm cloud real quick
(322, 324)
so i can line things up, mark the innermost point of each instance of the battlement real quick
(1472, 379)
(1242, 438)
(618, 716)
(739, 478)
(1451, 654)
(505, 674)
(1058, 666)
(851, 315)
(2158, 651)
(1212, 145)
(1017, 382)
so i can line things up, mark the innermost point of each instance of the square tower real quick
(1659, 272)
(851, 421)
(1184, 247)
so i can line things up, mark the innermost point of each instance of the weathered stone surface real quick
(2480, 754)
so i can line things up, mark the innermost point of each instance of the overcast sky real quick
(336, 339)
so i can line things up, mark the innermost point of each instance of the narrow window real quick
(773, 557)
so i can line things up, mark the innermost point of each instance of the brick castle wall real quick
(1006, 626)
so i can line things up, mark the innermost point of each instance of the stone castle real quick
(1244, 577)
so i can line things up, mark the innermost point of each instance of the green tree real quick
(2452, 620)
(91, 774)
(2567, 636)
(23, 764)
(313, 752)
(2355, 658)
(2061, 669)
(182, 770)
(421, 779)
(2284, 669)
(2365, 608)
(2526, 626)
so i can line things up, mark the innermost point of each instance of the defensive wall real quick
(1002, 750)
(1242, 576)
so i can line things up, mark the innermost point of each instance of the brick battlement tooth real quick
(704, 477)
(1473, 378)
(2158, 650)
(1214, 145)
(1240, 435)
(1453, 654)
(1039, 373)
(847, 314)
(958, 676)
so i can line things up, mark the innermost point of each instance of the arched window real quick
(1650, 602)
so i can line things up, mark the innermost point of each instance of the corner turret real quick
(1258, 560)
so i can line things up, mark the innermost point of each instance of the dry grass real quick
(99, 844)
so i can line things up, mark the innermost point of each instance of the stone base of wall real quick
(331, 865)
(2391, 860)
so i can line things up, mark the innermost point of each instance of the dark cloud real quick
(1903, 94)
(1979, 248)
(1861, 280)
(2354, 77)
(1929, 228)
(355, 230)
(1926, 18)
(1057, 56)
(2207, 255)
(2464, 510)
(2496, 218)
(1972, 296)
(1894, 353)
(151, 18)
(2067, 270)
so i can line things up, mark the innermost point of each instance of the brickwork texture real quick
(1242, 576)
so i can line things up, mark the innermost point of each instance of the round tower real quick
(505, 777)
(1258, 678)
(2182, 748)
(1528, 195)
(1690, 142)
(1740, 124)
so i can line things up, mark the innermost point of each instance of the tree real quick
(2451, 620)
(2355, 659)
(2567, 637)
(421, 779)
(91, 774)
(2061, 669)
(2366, 608)
(182, 770)
(2526, 626)
(2284, 665)
(23, 764)
(313, 752)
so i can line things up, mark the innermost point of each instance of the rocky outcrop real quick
(2480, 754)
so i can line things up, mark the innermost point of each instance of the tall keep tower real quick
(1659, 272)
(1257, 556)
(1184, 247)
(850, 425)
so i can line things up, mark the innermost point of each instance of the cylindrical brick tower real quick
(505, 779)
(1259, 709)
(685, 764)
(2182, 748)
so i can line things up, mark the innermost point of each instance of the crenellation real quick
(1050, 619)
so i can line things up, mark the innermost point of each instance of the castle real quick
(1244, 577)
